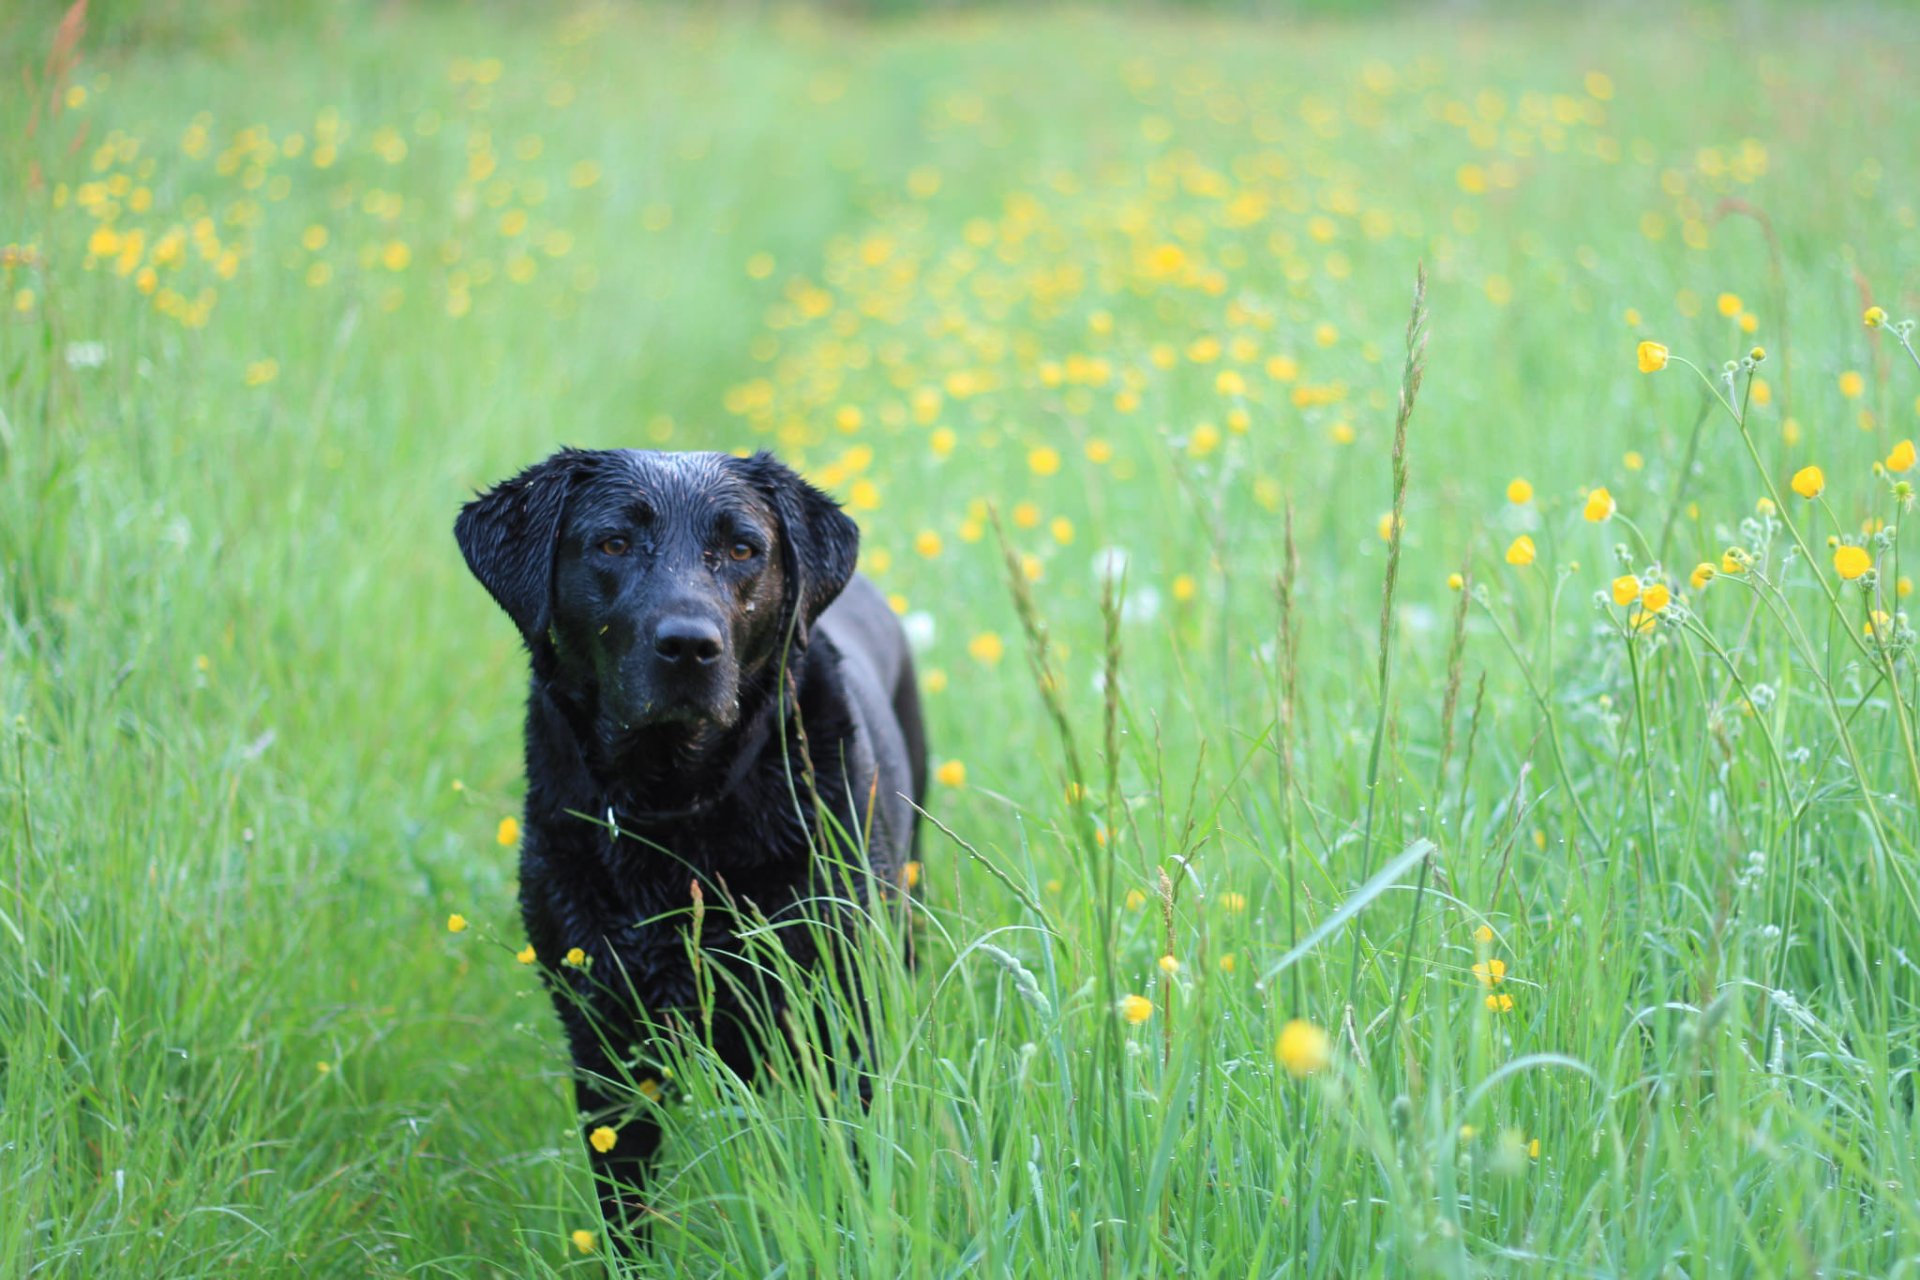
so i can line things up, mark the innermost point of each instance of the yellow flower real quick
(1878, 623)
(456, 923)
(575, 958)
(953, 773)
(1184, 588)
(1044, 461)
(1641, 621)
(1852, 384)
(603, 1139)
(650, 1089)
(1520, 551)
(261, 372)
(986, 647)
(1234, 902)
(1483, 934)
(1491, 972)
(396, 256)
(1533, 1149)
(1303, 1048)
(1702, 574)
(1656, 597)
(927, 543)
(1733, 560)
(1600, 507)
(1135, 899)
(583, 1241)
(525, 954)
(508, 832)
(1626, 589)
(1519, 492)
(1653, 357)
(1500, 1002)
(1387, 526)
(1850, 562)
(1728, 303)
(911, 875)
(1633, 460)
(1809, 482)
(1902, 457)
(1875, 317)
(1455, 582)
(1169, 964)
(1136, 1009)
(1226, 963)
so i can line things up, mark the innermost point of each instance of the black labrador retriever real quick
(712, 685)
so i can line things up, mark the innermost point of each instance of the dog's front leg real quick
(620, 1148)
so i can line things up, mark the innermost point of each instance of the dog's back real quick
(876, 668)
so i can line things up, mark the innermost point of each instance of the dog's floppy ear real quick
(508, 536)
(820, 543)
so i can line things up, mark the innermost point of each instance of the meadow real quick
(1434, 798)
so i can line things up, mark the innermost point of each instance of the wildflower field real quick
(1402, 518)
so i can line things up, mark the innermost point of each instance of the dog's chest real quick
(714, 881)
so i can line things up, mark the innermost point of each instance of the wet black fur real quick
(609, 732)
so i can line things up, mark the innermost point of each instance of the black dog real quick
(696, 708)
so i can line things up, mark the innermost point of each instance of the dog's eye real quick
(741, 551)
(615, 546)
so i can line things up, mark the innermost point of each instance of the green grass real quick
(261, 727)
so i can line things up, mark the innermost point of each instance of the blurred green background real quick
(284, 284)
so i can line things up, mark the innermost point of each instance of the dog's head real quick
(658, 585)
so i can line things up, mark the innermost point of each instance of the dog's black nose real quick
(688, 639)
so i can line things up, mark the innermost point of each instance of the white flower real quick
(1141, 605)
(919, 628)
(1418, 617)
(86, 355)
